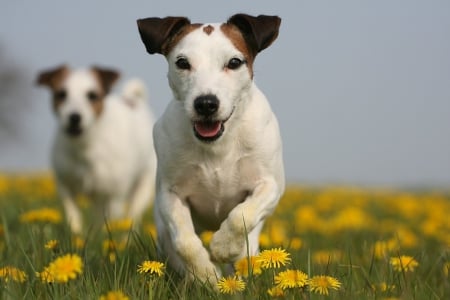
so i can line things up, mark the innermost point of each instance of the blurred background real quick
(361, 90)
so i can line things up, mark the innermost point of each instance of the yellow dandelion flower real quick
(49, 215)
(291, 279)
(320, 284)
(4, 184)
(384, 287)
(112, 257)
(51, 245)
(273, 258)
(407, 238)
(151, 229)
(118, 225)
(383, 248)
(264, 240)
(11, 273)
(307, 219)
(277, 232)
(325, 257)
(44, 186)
(276, 291)
(111, 246)
(114, 295)
(206, 237)
(62, 269)
(446, 268)
(78, 242)
(404, 263)
(351, 218)
(230, 285)
(296, 243)
(46, 275)
(151, 267)
(242, 266)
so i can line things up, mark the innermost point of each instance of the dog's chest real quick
(213, 189)
(88, 172)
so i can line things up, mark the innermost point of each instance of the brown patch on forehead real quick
(208, 29)
(174, 40)
(237, 39)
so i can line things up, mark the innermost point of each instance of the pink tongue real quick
(207, 129)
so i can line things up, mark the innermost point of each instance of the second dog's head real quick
(78, 95)
(210, 65)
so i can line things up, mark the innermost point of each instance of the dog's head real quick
(78, 95)
(210, 65)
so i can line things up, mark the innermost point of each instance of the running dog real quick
(103, 146)
(218, 143)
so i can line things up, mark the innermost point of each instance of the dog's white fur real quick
(229, 185)
(112, 161)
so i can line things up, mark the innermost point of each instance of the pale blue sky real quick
(361, 88)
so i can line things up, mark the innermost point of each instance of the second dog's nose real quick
(74, 119)
(206, 105)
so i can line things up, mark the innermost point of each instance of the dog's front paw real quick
(226, 245)
(205, 273)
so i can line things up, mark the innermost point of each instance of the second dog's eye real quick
(234, 63)
(92, 96)
(183, 64)
(60, 95)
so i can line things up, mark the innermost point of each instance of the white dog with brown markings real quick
(218, 143)
(103, 147)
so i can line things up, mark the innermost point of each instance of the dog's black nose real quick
(206, 105)
(74, 119)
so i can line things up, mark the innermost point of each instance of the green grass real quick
(345, 221)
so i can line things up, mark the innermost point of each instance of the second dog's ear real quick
(107, 77)
(50, 78)
(156, 32)
(259, 32)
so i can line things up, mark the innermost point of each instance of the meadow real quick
(330, 242)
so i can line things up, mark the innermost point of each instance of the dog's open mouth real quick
(210, 130)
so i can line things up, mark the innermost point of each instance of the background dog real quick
(103, 146)
(218, 143)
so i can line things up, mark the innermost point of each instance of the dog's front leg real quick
(229, 242)
(73, 214)
(177, 218)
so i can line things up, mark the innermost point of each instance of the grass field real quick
(321, 243)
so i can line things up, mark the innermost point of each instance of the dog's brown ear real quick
(259, 32)
(156, 32)
(52, 77)
(107, 77)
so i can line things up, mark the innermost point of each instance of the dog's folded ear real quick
(50, 78)
(259, 32)
(107, 77)
(157, 32)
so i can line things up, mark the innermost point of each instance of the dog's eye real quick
(60, 95)
(92, 96)
(234, 63)
(183, 64)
